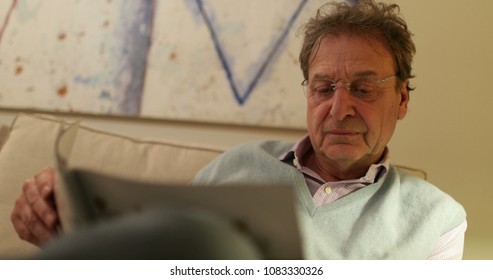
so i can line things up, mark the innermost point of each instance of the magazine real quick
(267, 213)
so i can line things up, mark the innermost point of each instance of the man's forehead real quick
(355, 75)
(353, 55)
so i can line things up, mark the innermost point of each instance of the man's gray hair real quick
(369, 19)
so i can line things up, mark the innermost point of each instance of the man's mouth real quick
(342, 132)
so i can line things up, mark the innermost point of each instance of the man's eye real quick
(362, 88)
(324, 90)
(364, 91)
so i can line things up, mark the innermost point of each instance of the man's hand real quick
(34, 216)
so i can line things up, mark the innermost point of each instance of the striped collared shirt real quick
(326, 192)
(449, 246)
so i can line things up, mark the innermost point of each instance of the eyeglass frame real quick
(340, 83)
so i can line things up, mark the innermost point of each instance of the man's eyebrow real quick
(322, 77)
(364, 74)
(361, 74)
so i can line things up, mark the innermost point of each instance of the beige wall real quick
(448, 130)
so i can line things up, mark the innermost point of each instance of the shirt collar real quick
(375, 172)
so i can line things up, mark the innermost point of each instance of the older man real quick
(352, 204)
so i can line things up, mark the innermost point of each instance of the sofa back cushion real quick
(30, 146)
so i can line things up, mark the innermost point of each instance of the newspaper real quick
(84, 197)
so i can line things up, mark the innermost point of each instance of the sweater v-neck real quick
(306, 200)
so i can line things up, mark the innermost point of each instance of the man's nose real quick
(343, 105)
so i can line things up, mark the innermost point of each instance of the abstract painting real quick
(220, 61)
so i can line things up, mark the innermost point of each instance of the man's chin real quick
(343, 153)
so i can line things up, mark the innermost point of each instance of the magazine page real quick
(66, 200)
(266, 212)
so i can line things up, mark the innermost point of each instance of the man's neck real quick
(334, 172)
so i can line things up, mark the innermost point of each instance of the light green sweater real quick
(399, 217)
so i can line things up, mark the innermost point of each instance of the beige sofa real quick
(27, 145)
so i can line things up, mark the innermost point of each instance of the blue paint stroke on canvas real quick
(136, 34)
(242, 96)
(5, 22)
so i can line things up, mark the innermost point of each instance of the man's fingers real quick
(41, 209)
(34, 215)
(18, 221)
(40, 232)
(45, 180)
(27, 222)
(33, 232)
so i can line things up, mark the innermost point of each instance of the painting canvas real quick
(220, 61)
(75, 56)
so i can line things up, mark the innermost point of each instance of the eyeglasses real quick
(365, 88)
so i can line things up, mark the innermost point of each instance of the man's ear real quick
(404, 94)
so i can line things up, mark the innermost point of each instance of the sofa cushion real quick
(139, 159)
(30, 147)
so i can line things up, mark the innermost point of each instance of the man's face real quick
(346, 130)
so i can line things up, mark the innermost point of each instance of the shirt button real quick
(328, 190)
